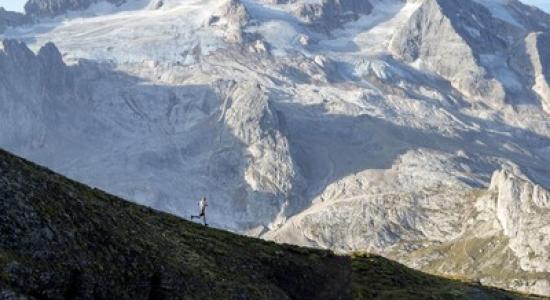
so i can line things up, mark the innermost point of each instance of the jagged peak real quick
(512, 184)
(507, 173)
(50, 52)
(44, 71)
(477, 34)
(434, 37)
(15, 48)
(52, 8)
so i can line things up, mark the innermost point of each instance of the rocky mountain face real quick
(46, 75)
(505, 232)
(64, 240)
(349, 125)
(10, 18)
(518, 207)
(499, 235)
(428, 34)
(327, 14)
(52, 8)
(538, 47)
(463, 42)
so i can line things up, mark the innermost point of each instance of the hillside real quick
(64, 240)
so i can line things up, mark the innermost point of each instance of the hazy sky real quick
(17, 5)
(544, 4)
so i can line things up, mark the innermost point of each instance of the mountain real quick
(52, 8)
(64, 240)
(375, 125)
(10, 18)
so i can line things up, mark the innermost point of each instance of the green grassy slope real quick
(63, 240)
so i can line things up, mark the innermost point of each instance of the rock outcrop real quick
(270, 169)
(523, 210)
(231, 17)
(329, 14)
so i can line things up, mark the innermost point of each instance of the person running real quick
(202, 211)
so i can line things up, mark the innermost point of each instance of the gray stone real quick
(52, 8)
